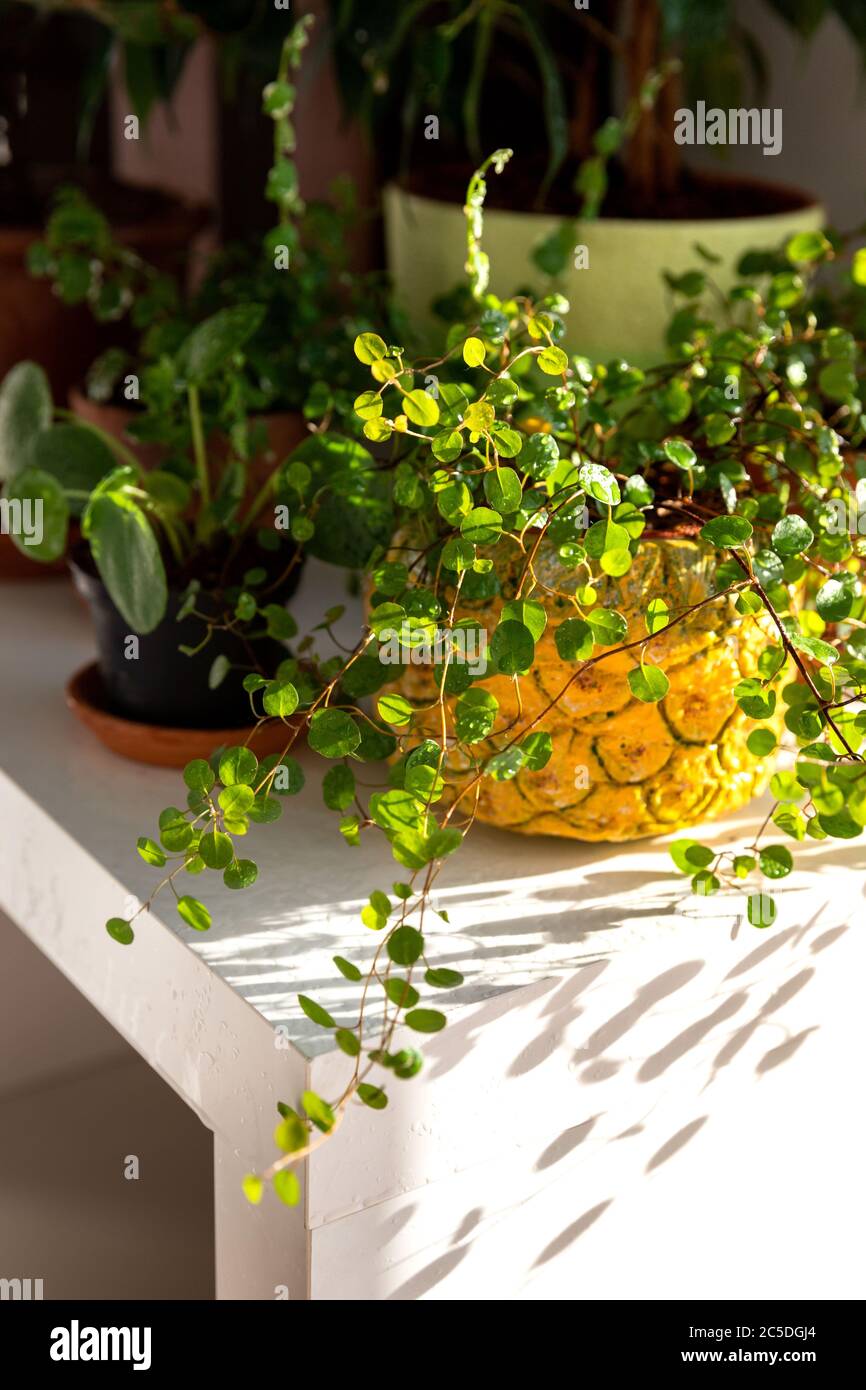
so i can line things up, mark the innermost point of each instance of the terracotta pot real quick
(285, 431)
(15, 565)
(35, 324)
(115, 420)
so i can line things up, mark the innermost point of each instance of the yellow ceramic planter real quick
(622, 769)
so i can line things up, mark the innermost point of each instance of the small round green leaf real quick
(761, 910)
(198, 775)
(280, 699)
(552, 361)
(425, 1020)
(150, 852)
(405, 945)
(242, 873)
(120, 930)
(761, 742)
(369, 347)
(724, 531)
(791, 535)
(473, 352)
(315, 1012)
(253, 1188)
(216, 849)
(373, 1096)
(287, 1187)
(333, 733)
(512, 649)
(347, 1042)
(443, 979)
(648, 683)
(574, 640)
(318, 1110)
(238, 765)
(775, 861)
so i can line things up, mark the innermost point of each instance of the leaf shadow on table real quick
(734, 1017)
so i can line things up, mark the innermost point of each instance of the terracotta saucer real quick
(154, 743)
(15, 565)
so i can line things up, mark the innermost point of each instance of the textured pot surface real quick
(622, 769)
(620, 305)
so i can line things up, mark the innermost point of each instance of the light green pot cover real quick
(620, 304)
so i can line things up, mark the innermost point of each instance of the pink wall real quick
(178, 152)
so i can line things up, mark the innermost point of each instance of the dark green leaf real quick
(725, 531)
(120, 930)
(25, 410)
(373, 1096)
(127, 555)
(333, 733)
(194, 913)
(425, 1020)
(405, 945)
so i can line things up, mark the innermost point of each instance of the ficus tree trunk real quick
(652, 159)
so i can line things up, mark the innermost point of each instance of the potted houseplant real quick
(649, 578)
(601, 196)
(53, 129)
(312, 305)
(173, 559)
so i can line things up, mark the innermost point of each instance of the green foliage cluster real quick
(259, 336)
(142, 525)
(310, 306)
(750, 438)
(466, 59)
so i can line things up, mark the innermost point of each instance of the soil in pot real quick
(151, 680)
(700, 196)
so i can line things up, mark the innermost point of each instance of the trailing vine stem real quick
(519, 487)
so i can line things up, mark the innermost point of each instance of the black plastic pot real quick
(161, 685)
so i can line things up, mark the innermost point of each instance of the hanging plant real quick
(522, 520)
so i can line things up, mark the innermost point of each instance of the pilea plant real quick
(523, 489)
(187, 519)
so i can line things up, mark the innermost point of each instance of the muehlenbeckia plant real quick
(749, 439)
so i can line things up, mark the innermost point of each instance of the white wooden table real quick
(638, 1095)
